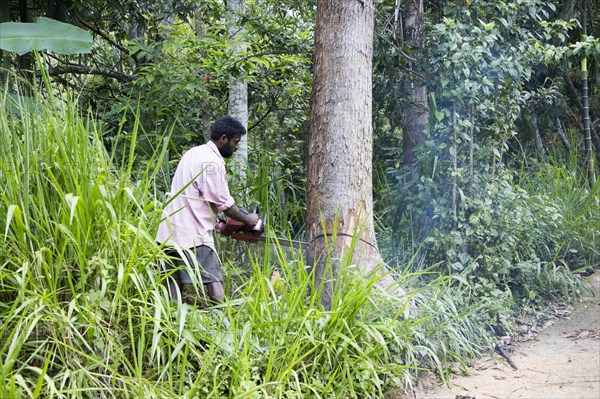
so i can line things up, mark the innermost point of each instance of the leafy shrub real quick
(457, 207)
(511, 247)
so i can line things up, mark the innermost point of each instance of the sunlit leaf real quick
(45, 34)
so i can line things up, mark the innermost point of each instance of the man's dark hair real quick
(227, 126)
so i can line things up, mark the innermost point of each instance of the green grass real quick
(565, 193)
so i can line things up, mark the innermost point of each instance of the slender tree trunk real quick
(565, 141)
(238, 88)
(587, 136)
(455, 174)
(206, 106)
(472, 147)
(539, 144)
(574, 96)
(562, 135)
(595, 137)
(416, 114)
(339, 186)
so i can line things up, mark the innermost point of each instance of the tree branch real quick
(88, 70)
(106, 37)
(277, 95)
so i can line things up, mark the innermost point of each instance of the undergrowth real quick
(85, 314)
(514, 242)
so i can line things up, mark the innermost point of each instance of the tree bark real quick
(206, 106)
(339, 186)
(89, 70)
(587, 135)
(574, 96)
(539, 144)
(416, 114)
(238, 87)
(565, 141)
(25, 61)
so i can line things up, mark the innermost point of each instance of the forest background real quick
(485, 201)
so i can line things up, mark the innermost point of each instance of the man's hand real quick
(251, 219)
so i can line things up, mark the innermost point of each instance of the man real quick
(201, 192)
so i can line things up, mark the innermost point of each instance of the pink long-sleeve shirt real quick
(189, 219)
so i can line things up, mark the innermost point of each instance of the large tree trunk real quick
(416, 114)
(238, 88)
(340, 198)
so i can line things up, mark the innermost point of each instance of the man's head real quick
(226, 133)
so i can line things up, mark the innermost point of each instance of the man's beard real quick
(226, 151)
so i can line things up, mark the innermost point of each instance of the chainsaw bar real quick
(248, 237)
(239, 231)
(284, 242)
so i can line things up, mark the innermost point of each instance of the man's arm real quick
(234, 212)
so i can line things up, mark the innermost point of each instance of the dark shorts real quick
(201, 262)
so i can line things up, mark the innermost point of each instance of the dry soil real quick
(562, 361)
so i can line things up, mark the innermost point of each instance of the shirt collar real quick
(213, 147)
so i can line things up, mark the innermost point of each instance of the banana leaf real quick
(44, 34)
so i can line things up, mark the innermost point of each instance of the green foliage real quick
(270, 184)
(181, 82)
(577, 207)
(460, 209)
(178, 86)
(482, 55)
(45, 34)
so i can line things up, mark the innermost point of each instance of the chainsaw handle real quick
(260, 224)
(238, 229)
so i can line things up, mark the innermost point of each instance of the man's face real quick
(229, 146)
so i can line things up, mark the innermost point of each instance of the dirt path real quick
(562, 362)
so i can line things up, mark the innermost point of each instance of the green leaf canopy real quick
(45, 34)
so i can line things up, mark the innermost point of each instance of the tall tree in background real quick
(587, 13)
(339, 186)
(238, 87)
(587, 137)
(205, 107)
(415, 115)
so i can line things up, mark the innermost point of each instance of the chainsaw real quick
(241, 231)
